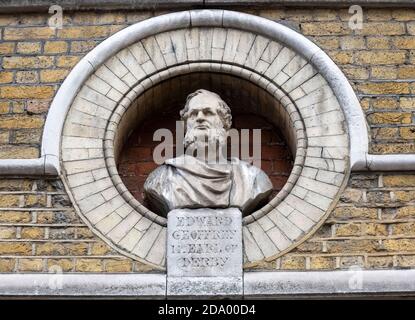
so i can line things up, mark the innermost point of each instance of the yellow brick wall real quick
(374, 224)
(372, 227)
(40, 232)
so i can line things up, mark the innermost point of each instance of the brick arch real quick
(51, 139)
(304, 102)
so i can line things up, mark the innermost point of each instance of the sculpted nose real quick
(199, 117)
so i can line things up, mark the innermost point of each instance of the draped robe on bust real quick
(187, 182)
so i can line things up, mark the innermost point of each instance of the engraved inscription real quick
(204, 242)
(204, 234)
(206, 250)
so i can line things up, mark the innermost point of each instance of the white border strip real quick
(12, 6)
(359, 138)
(361, 282)
(143, 285)
(386, 162)
(256, 284)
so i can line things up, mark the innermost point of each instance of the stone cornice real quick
(277, 284)
(107, 5)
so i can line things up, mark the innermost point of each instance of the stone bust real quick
(202, 178)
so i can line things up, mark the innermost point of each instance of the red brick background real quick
(136, 162)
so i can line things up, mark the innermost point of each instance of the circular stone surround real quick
(99, 120)
(282, 112)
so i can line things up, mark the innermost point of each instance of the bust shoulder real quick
(156, 177)
(247, 166)
(257, 176)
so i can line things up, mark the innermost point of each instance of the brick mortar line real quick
(356, 204)
(64, 257)
(391, 204)
(351, 221)
(388, 95)
(29, 240)
(359, 237)
(393, 125)
(397, 204)
(40, 193)
(392, 141)
(37, 209)
(339, 19)
(410, 80)
(369, 254)
(73, 25)
(386, 189)
(43, 225)
(406, 253)
(369, 221)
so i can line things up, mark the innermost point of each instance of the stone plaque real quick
(204, 247)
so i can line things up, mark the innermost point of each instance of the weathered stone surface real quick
(204, 247)
(204, 286)
(204, 242)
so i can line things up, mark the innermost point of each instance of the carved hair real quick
(224, 111)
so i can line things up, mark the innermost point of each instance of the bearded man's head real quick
(207, 118)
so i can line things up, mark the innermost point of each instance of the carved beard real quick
(213, 136)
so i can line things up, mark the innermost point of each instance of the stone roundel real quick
(108, 105)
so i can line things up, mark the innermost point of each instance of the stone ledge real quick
(256, 284)
(386, 162)
(43, 166)
(108, 5)
(325, 283)
(142, 285)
